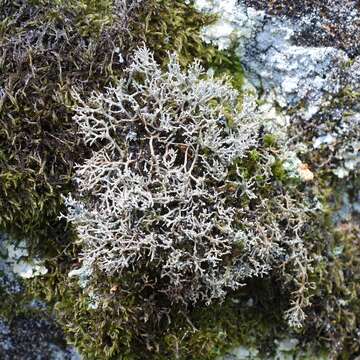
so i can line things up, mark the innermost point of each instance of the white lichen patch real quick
(236, 23)
(18, 261)
(83, 274)
(288, 73)
(285, 349)
(327, 139)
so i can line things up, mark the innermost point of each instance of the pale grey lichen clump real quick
(166, 141)
(151, 179)
(162, 192)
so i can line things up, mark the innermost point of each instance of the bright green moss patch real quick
(226, 62)
(172, 25)
(270, 140)
(278, 170)
(175, 26)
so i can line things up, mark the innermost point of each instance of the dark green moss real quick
(47, 48)
(127, 324)
(333, 318)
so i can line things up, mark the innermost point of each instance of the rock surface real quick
(325, 23)
(288, 73)
(27, 330)
(301, 79)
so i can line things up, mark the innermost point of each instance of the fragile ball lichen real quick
(166, 192)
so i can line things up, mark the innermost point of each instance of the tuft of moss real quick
(172, 25)
(270, 140)
(176, 26)
(127, 325)
(46, 49)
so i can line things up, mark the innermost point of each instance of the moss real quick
(333, 318)
(239, 320)
(47, 47)
(270, 140)
(227, 62)
(278, 170)
(39, 148)
(127, 325)
(172, 25)
(175, 26)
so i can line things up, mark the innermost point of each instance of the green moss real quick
(129, 325)
(254, 155)
(52, 47)
(333, 318)
(270, 140)
(278, 170)
(223, 326)
(173, 26)
(227, 62)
